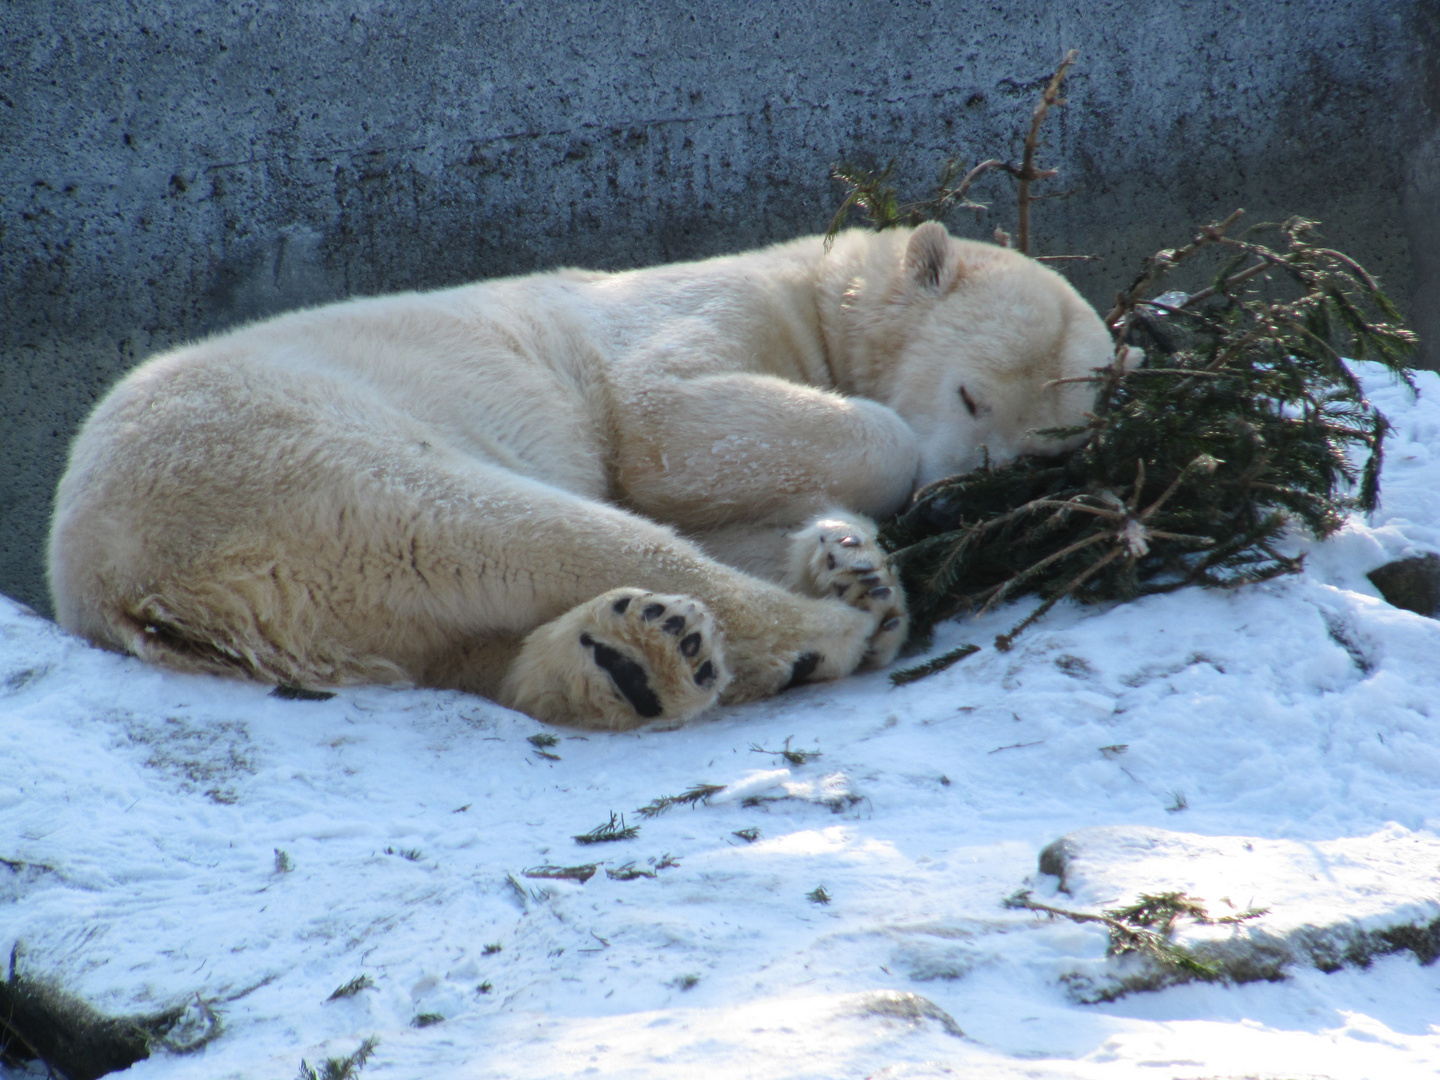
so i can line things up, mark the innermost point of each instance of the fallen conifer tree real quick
(1244, 421)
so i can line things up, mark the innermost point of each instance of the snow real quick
(1276, 746)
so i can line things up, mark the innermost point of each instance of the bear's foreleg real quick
(835, 555)
(703, 453)
(839, 555)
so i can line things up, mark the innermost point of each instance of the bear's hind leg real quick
(625, 658)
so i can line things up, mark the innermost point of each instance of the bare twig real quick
(1027, 173)
(793, 757)
(1156, 267)
(1070, 504)
(581, 874)
(1229, 283)
(1004, 641)
(957, 194)
(1020, 578)
(871, 192)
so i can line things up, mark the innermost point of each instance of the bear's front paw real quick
(624, 658)
(841, 557)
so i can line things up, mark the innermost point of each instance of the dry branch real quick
(1027, 173)
(872, 192)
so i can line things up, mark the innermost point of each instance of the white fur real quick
(437, 488)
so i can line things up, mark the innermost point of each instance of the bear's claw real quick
(842, 558)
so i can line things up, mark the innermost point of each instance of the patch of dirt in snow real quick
(209, 758)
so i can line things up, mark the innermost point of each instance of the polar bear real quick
(599, 498)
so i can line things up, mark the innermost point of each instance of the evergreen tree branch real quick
(1240, 424)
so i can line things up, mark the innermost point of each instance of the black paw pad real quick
(804, 667)
(628, 676)
(653, 611)
(620, 605)
(291, 692)
(690, 644)
(705, 675)
(890, 623)
(674, 624)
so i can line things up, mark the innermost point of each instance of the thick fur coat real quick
(600, 498)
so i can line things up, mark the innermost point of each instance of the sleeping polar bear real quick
(599, 498)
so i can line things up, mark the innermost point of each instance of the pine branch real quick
(697, 794)
(1146, 928)
(353, 987)
(581, 874)
(930, 667)
(612, 830)
(1241, 424)
(341, 1068)
(1244, 427)
(792, 757)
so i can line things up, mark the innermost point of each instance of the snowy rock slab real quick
(1325, 904)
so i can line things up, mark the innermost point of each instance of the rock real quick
(1055, 859)
(1326, 904)
(910, 1008)
(1412, 584)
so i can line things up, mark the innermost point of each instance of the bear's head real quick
(978, 348)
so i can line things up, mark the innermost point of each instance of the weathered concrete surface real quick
(167, 169)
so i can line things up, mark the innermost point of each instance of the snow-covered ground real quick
(1274, 747)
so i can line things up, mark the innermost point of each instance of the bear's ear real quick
(927, 257)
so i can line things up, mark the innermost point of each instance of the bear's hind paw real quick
(625, 658)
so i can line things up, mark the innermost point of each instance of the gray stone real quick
(172, 168)
(1412, 584)
(1299, 916)
(908, 1007)
(1055, 858)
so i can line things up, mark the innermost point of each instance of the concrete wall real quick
(167, 169)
